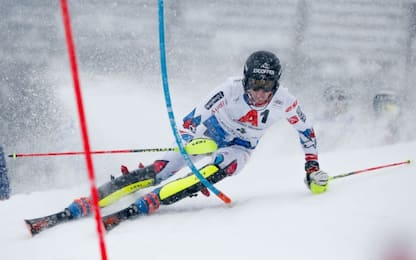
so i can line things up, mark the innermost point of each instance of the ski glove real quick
(316, 180)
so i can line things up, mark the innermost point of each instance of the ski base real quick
(37, 225)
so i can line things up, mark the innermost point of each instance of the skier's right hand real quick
(316, 180)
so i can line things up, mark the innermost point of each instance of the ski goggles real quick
(261, 84)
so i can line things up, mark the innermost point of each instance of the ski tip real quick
(30, 227)
(35, 226)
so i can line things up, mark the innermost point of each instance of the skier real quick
(235, 115)
(336, 102)
(338, 113)
(387, 113)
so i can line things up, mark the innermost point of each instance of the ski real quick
(166, 195)
(114, 219)
(37, 225)
(109, 192)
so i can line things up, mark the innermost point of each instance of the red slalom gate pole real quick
(368, 169)
(83, 124)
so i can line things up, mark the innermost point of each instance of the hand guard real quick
(316, 180)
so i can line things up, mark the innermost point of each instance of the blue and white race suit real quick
(226, 116)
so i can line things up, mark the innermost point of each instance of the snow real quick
(273, 216)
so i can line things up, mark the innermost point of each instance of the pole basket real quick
(4, 180)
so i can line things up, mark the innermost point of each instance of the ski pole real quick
(195, 147)
(368, 169)
(16, 155)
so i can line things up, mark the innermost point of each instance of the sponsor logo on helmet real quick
(264, 69)
(265, 66)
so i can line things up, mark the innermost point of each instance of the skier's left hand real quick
(316, 180)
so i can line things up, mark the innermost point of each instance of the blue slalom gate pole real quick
(4, 180)
(171, 115)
